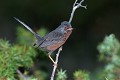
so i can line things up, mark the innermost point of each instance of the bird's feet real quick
(55, 64)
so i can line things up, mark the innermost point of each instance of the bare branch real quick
(56, 62)
(21, 75)
(74, 3)
(75, 6)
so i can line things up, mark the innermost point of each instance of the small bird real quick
(52, 40)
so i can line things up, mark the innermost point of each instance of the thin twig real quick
(21, 75)
(56, 62)
(75, 6)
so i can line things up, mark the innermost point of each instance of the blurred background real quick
(101, 18)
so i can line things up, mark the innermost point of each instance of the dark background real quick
(101, 18)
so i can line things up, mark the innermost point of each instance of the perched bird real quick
(52, 40)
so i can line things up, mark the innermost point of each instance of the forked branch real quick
(21, 75)
(75, 6)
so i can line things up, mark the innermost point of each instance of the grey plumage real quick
(52, 40)
(55, 37)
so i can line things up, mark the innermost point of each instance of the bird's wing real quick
(51, 38)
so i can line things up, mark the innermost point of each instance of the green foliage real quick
(61, 75)
(21, 54)
(109, 47)
(17, 55)
(5, 71)
(42, 31)
(81, 75)
(26, 37)
(14, 56)
(40, 75)
(107, 79)
(110, 52)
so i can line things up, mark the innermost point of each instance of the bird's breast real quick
(56, 45)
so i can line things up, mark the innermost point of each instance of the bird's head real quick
(65, 27)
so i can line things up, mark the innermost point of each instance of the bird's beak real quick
(70, 28)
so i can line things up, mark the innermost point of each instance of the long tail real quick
(25, 25)
(36, 35)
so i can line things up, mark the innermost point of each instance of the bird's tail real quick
(38, 37)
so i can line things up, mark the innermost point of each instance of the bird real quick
(53, 40)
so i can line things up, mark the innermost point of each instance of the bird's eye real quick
(66, 27)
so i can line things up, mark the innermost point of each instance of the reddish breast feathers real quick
(55, 46)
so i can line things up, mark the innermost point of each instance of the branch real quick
(56, 62)
(75, 6)
(21, 75)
